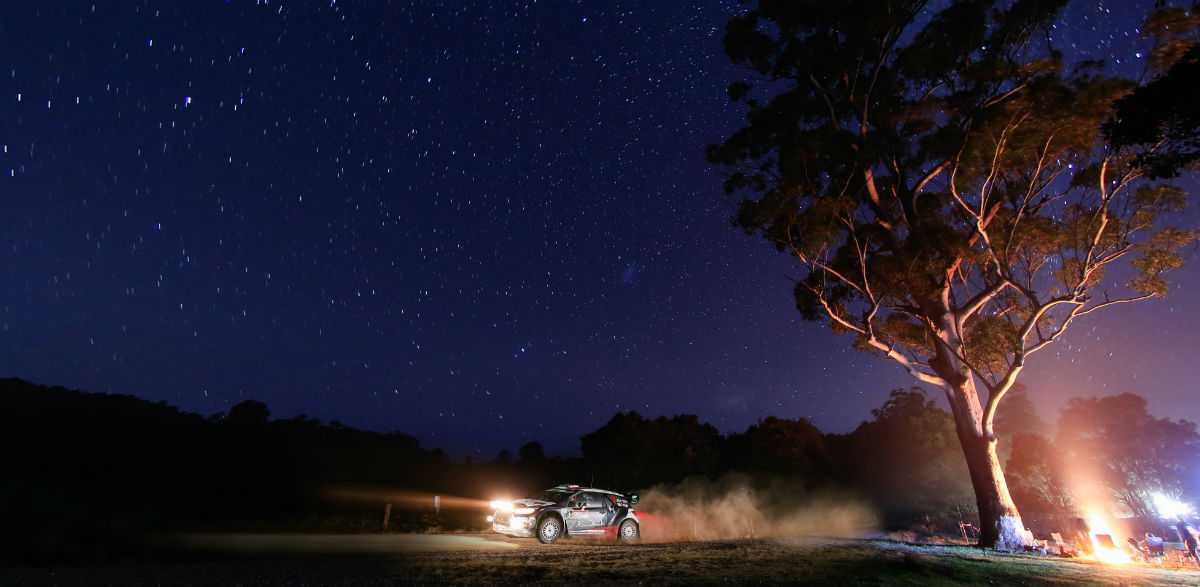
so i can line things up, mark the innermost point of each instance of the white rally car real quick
(569, 510)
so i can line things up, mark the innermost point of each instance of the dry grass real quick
(770, 562)
(575, 562)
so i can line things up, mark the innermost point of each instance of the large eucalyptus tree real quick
(939, 174)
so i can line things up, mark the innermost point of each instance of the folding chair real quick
(1061, 545)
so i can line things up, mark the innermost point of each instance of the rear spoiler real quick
(633, 497)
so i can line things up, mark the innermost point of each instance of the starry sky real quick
(478, 223)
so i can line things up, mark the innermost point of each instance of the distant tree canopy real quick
(1038, 481)
(107, 466)
(633, 452)
(122, 464)
(939, 174)
(906, 460)
(789, 448)
(1017, 415)
(1115, 443)
(531, 452)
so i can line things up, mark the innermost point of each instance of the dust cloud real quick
(737, 506)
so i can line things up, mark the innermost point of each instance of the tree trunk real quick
(1000, 524)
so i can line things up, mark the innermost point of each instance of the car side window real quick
(577, 501)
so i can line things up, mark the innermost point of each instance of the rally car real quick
(569, 510)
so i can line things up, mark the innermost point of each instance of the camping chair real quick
(1151, 553)
(1033, 542)
(1061, 545)
(1142, 553)
(1184, 557)
(1156, 548)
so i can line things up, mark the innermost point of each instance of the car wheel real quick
(628, 531)
(549, 529)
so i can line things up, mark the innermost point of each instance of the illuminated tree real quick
(942, 182)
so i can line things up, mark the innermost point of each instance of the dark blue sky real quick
(477, 223)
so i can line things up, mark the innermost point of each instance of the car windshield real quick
(555, 496)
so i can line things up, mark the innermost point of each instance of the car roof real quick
(574, 488)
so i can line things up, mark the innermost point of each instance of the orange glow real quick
(399, 496)
(1115, 555)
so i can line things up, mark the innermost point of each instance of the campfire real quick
(1104, 548)
(1110, 540)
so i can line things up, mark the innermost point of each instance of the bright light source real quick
(523, 511)
(1169, 507)
(1105, 552)
(502, 504)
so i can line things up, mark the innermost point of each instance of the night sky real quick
(478, 223)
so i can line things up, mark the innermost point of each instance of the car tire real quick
(549, 529)
(628, 531)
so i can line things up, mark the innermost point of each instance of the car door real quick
(577, 514)
(588, 515)
(608, 511)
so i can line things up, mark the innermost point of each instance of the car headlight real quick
(523, 511)
(502, 505)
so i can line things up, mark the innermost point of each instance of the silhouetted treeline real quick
(85, 469)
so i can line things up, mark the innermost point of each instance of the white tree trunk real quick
(1000, 522)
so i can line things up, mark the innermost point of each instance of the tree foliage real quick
(1126, 451)
(1159, 123)
(921, 165)
(906, 461)
(783, 447)
(939, 173)
(1017, 415)
(633, 452)
(1037, 479)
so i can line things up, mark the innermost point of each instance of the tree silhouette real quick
(782, 447)
(1159, 123)
(249, 414)
(942, 183)
(531, 453)
(631, 452)
(905, 459)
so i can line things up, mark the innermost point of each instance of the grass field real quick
(762, 562)
(488, 560)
